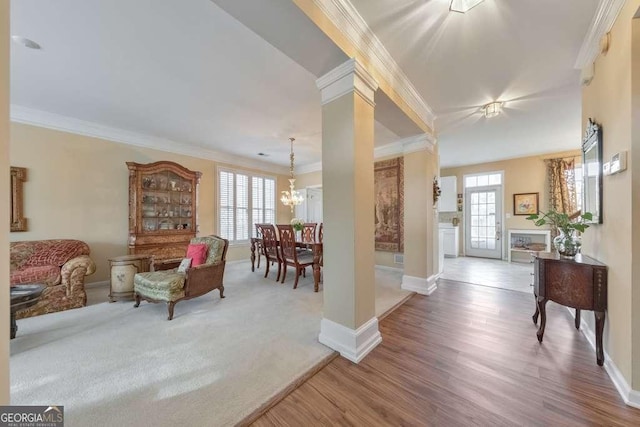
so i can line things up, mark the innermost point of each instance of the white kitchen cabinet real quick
(449, 235)
(448, 201)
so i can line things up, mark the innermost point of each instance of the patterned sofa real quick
(61, 265)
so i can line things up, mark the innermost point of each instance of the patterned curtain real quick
(562, 185)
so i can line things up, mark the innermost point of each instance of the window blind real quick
(244, 200)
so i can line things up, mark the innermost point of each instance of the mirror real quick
(592, 171)
(18, 176)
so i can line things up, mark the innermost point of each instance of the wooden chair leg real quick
(279, 271)
(258, 259)
(170, 306)
(284, 275)
(295, 284)
(138, 299)
(221, 291)
(266, 272)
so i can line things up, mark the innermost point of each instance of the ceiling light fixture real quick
(463, 6)
(492, 109)
(292, 197)
(23, 41)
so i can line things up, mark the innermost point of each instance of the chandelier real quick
(292, 197)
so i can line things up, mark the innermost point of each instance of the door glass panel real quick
(483, 180)
(482, 217)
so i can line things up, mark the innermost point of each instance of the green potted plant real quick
(567, 242)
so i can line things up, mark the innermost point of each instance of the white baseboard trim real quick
(631, 397)
(386, 267)
(96, 284)
(353, 345)
(419, 285)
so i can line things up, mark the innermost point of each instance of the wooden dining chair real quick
(290, 255)
(259, 249)
(270, 248)
(309, 232)
(321, 232)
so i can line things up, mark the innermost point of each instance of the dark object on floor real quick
(23, 296)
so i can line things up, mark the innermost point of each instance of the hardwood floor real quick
(466, 355)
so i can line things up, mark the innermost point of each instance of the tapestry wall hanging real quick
(389, 204)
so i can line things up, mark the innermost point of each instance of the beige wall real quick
(4, 194)
(311, 179)
(608, 101)
(523, 175)
(77, 187)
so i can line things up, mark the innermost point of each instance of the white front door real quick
(483, 228)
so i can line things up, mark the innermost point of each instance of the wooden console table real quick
(580, 283)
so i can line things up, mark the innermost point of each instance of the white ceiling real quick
(189, 72)
(518, 51)
(183, 71)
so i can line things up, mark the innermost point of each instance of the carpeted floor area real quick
(217, 361)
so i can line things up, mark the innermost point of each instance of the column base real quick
(420, 285)
(353, 345)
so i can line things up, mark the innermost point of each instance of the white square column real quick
(420, 216)
(349, 324)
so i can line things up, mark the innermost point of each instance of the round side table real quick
(123, 268)
(23, 296)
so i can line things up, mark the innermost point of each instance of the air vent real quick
(398, 259)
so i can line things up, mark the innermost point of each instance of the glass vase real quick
(567, 244)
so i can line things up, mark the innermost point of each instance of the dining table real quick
(315, 247)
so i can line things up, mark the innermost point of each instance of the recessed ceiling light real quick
(25, 42)
(463, 6)
(263, 154)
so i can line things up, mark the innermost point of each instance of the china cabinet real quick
(163, 201)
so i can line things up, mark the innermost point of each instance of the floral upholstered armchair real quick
(175, 285)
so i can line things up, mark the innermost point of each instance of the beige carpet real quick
(216, 362)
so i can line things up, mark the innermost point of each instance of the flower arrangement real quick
(297, 224)
(562, 221)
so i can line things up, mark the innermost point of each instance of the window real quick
(483, 180)
(244, 200)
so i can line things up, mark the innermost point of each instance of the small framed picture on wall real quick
(525, 204)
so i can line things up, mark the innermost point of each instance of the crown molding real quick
(347, 77)
(408, 145)
(347, 19)
(603, 20)
(403, 146)
(59, 122)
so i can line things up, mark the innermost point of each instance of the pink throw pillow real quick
(198, 253)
